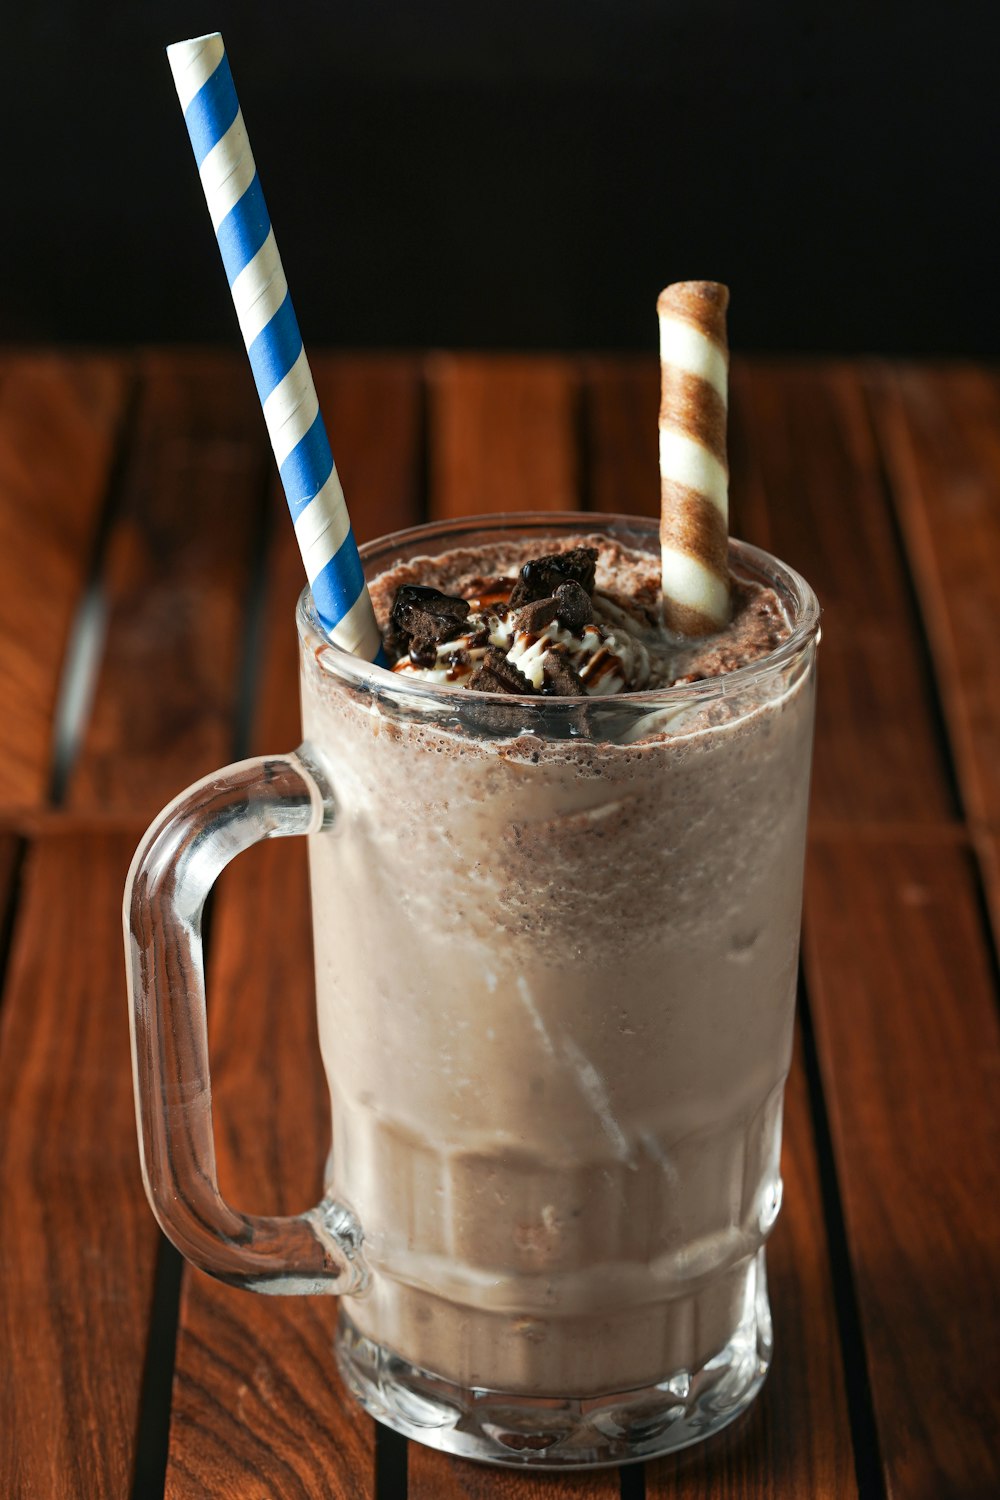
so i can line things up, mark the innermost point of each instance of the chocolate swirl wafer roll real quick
(694, 474)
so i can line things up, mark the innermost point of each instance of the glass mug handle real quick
(174, 868)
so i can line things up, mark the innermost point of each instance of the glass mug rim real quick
(761, 566)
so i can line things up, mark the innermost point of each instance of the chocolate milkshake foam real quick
(556, 943)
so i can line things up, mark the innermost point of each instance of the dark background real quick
(521, 175)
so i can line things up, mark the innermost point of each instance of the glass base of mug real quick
(562, 1432)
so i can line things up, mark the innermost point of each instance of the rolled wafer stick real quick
(694, 473)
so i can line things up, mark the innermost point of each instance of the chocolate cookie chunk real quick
(570, 604)
(561, 679)
(421, 618)
(496, 674)
(541, 576)
(534, 617)
(575, 606)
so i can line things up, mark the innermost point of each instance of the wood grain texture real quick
(902, 991)
(60, 421)
(621, 403)
(940, 433)
(898, 965)
(796, 1439)
(373, 407)
(814, 494)
(175, 586)
(78, 1243)
(502, 435)
(437, 1476)
(258, 1408)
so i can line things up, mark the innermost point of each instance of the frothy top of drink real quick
(580, 620)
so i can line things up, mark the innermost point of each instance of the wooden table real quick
(148, 580)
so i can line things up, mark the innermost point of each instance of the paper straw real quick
(271, 333)
(694, 472)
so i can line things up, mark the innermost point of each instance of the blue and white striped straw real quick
(271, 333)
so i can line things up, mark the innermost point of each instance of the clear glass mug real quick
(556, 945)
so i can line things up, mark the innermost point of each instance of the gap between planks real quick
(62, 419)
(79, 1241)
(902, 988)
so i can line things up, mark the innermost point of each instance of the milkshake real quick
(554, 781)
(556, 943)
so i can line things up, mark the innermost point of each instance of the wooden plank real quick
(436, 1476)
(818, 501)
(372, 407)
(175, 585)
(60, 422)
(502, 435)
(78, 1242)
(903, 1000)
(621, 402)
(796, 1438)
(258, 1407)
(940, 433)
